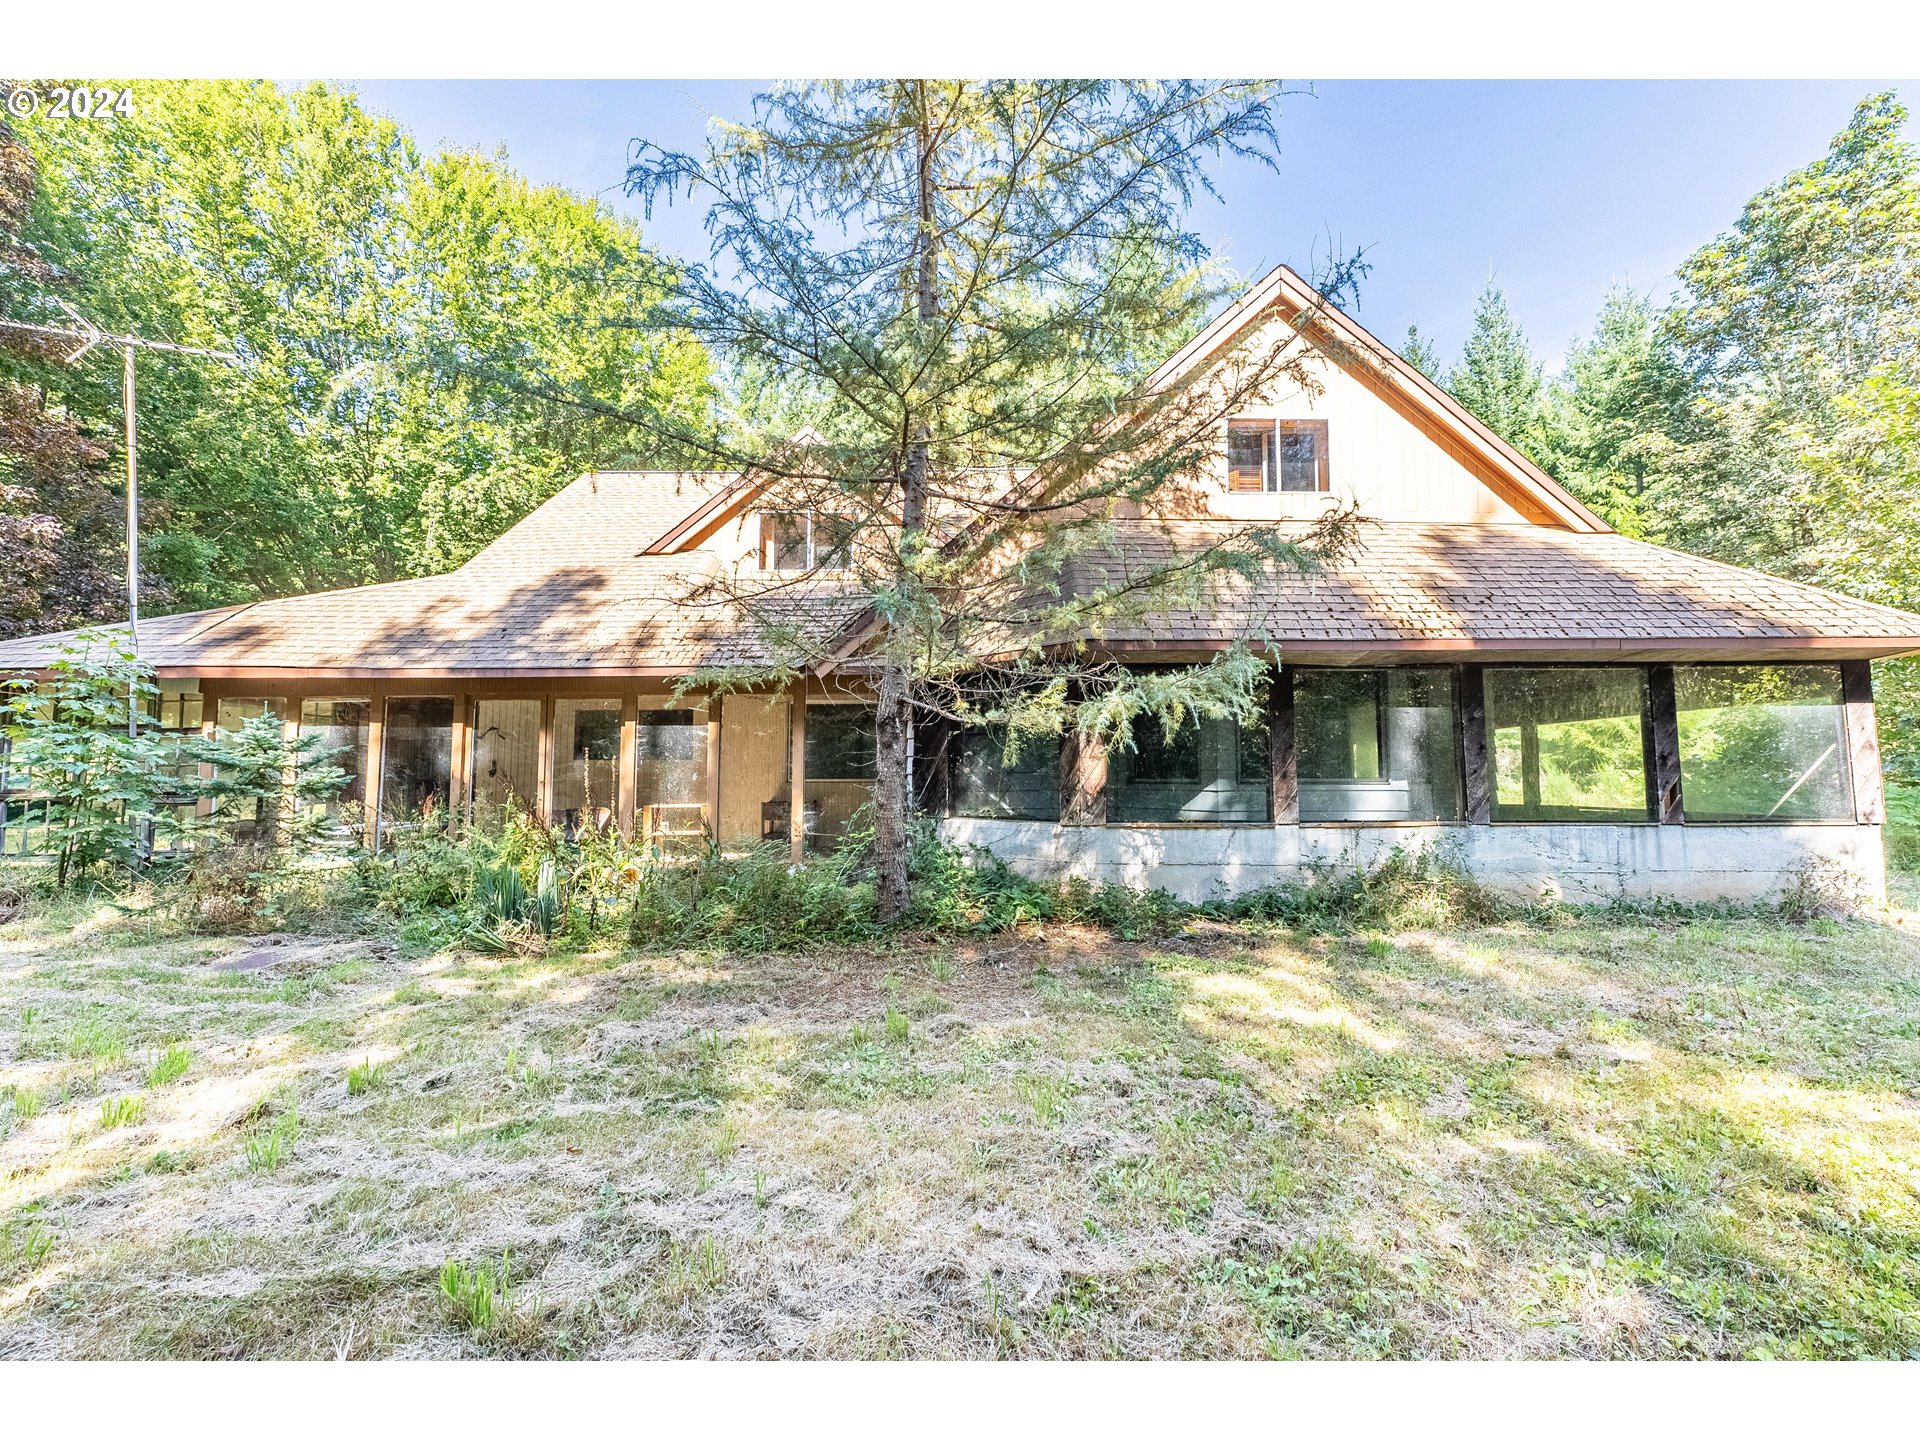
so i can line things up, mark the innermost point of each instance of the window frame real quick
(811, 523)
(1272, 472)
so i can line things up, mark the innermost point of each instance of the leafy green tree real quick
(1799, 334)
(1498, 378)
(375, 297)
(1608, 416)
(975, 277)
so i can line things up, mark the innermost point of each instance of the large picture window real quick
(586, 762)
(840, 769)
(1569, 744)
(1208, 771)
(1375, 745)
(416, 767)
(1762, 743)
(989, 785)
(341, 726)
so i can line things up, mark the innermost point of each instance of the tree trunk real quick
(892, 794)
(892, 785)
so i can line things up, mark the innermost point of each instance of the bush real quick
(1903, 827)
(1408, 890)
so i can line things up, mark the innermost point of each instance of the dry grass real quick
(1604, 1139)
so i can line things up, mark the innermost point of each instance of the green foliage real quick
(1409, 889)
(1498, 378)
(122, 1110)
(69, 741)
(262, 784)
(479, 1295)
(408, 322)
(1903, 827)
(365, 1077)
(169, 1065)
(267, 1147)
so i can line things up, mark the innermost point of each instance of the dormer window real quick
(804, 540)
(1277, 455)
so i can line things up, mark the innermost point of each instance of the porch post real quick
(1476, 767)
(797, 771)
(543, 787)
(1663, 726)
(713, 769)
(461, 749)
(627, 762)
(1282, 758)
(376, 764)
(1863, 742)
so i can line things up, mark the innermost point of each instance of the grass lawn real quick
(1601, 1138)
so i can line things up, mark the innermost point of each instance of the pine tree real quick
(977, 277)
(1498, 378)
(1421, 353)
(1608, 415)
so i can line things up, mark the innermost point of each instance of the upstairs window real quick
(1277, 455)
(805, 540)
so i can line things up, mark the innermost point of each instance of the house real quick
(1493, 671)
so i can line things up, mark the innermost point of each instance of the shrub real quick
(1407, 890)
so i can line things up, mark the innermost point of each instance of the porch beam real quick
(459, 758)
(1863, 742)
(376, 764)
(1663, 735)
(713, 769)
(626, 763)
(797, 772)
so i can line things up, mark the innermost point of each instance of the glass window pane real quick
(987, 784)
(670, 758)
(1250, 456)
(1376, 744)
(586, 761)
(783, 542)
(832, 541)
(416, 758)
(1197, 776)
(840, 766)
(342, 728)
(231, 714)
(1762, 742)
(506, 756)
(1569, 744)
(1300, 458)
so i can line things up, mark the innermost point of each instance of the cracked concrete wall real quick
(1574, 862)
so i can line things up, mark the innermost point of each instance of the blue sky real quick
(1560, 188)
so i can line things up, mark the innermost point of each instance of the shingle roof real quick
(1499, 586)
(567, 589)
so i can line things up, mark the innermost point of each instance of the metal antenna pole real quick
(90, 335)
(133, 539)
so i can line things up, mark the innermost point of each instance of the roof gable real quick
(1444, 421)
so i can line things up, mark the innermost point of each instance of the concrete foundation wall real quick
(1572, 862)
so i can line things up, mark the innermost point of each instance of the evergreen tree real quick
(978, 276)
(1497, 377)
(1420, 352)
(1608, 415)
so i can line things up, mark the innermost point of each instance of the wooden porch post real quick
(1282, 757)
(713, 769)
(1863, 742)
(797, 767)
(543, 784)
(376, 764)
(1476, 766)
(460, 748)
(1663, 735)
(628, 762)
